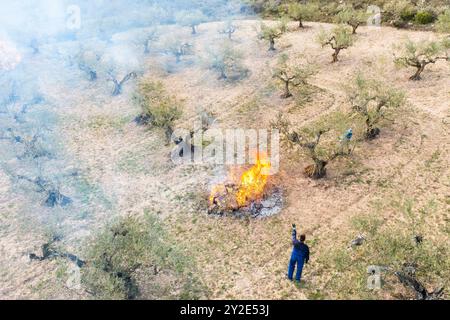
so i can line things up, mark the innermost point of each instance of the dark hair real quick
(302, 238)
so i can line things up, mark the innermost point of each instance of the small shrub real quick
(399, 12)
(424, 17)
(272, 8)
(158, 107)
(227, 61)
(328, 11)
(408, 13)
(133, 257)
(443, 22)
(301, 12)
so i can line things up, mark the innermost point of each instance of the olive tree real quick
(338, 39)
(117, 63)
(145, 38)
(140, 38)
(158, 108)
(267, 7)
(420, 54)
(177, 47)
(229, 28)
(88, 62)
(190, 19)
(292, 73)
(372, 98)
(270, 33)
(300, 12)
(312, 143)
(227, 61)
(354, 18)
(134, 257)
(120, 64)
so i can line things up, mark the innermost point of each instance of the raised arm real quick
(294, 236)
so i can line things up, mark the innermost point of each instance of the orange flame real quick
(253, 181)
(250, 187)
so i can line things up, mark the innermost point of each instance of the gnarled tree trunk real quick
(168, 131)
(118, 85)
(416, 76)
(92, 75)
(336, 54)
(419, 289)
(371, 131)
(272, 45)
(287, 93)
(317, 170)
(354, 27)
(117, 88)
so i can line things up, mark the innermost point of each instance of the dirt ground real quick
(244, 258)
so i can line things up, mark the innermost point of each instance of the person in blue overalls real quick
(300, 255)
(345, 140)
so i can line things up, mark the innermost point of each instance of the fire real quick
(249, 188)
(253, 182)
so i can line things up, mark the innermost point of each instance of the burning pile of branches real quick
(249, 195)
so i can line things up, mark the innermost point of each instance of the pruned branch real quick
(419, 289)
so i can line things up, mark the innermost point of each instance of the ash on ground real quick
(271, 204)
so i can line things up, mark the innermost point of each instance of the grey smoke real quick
(41, 47)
